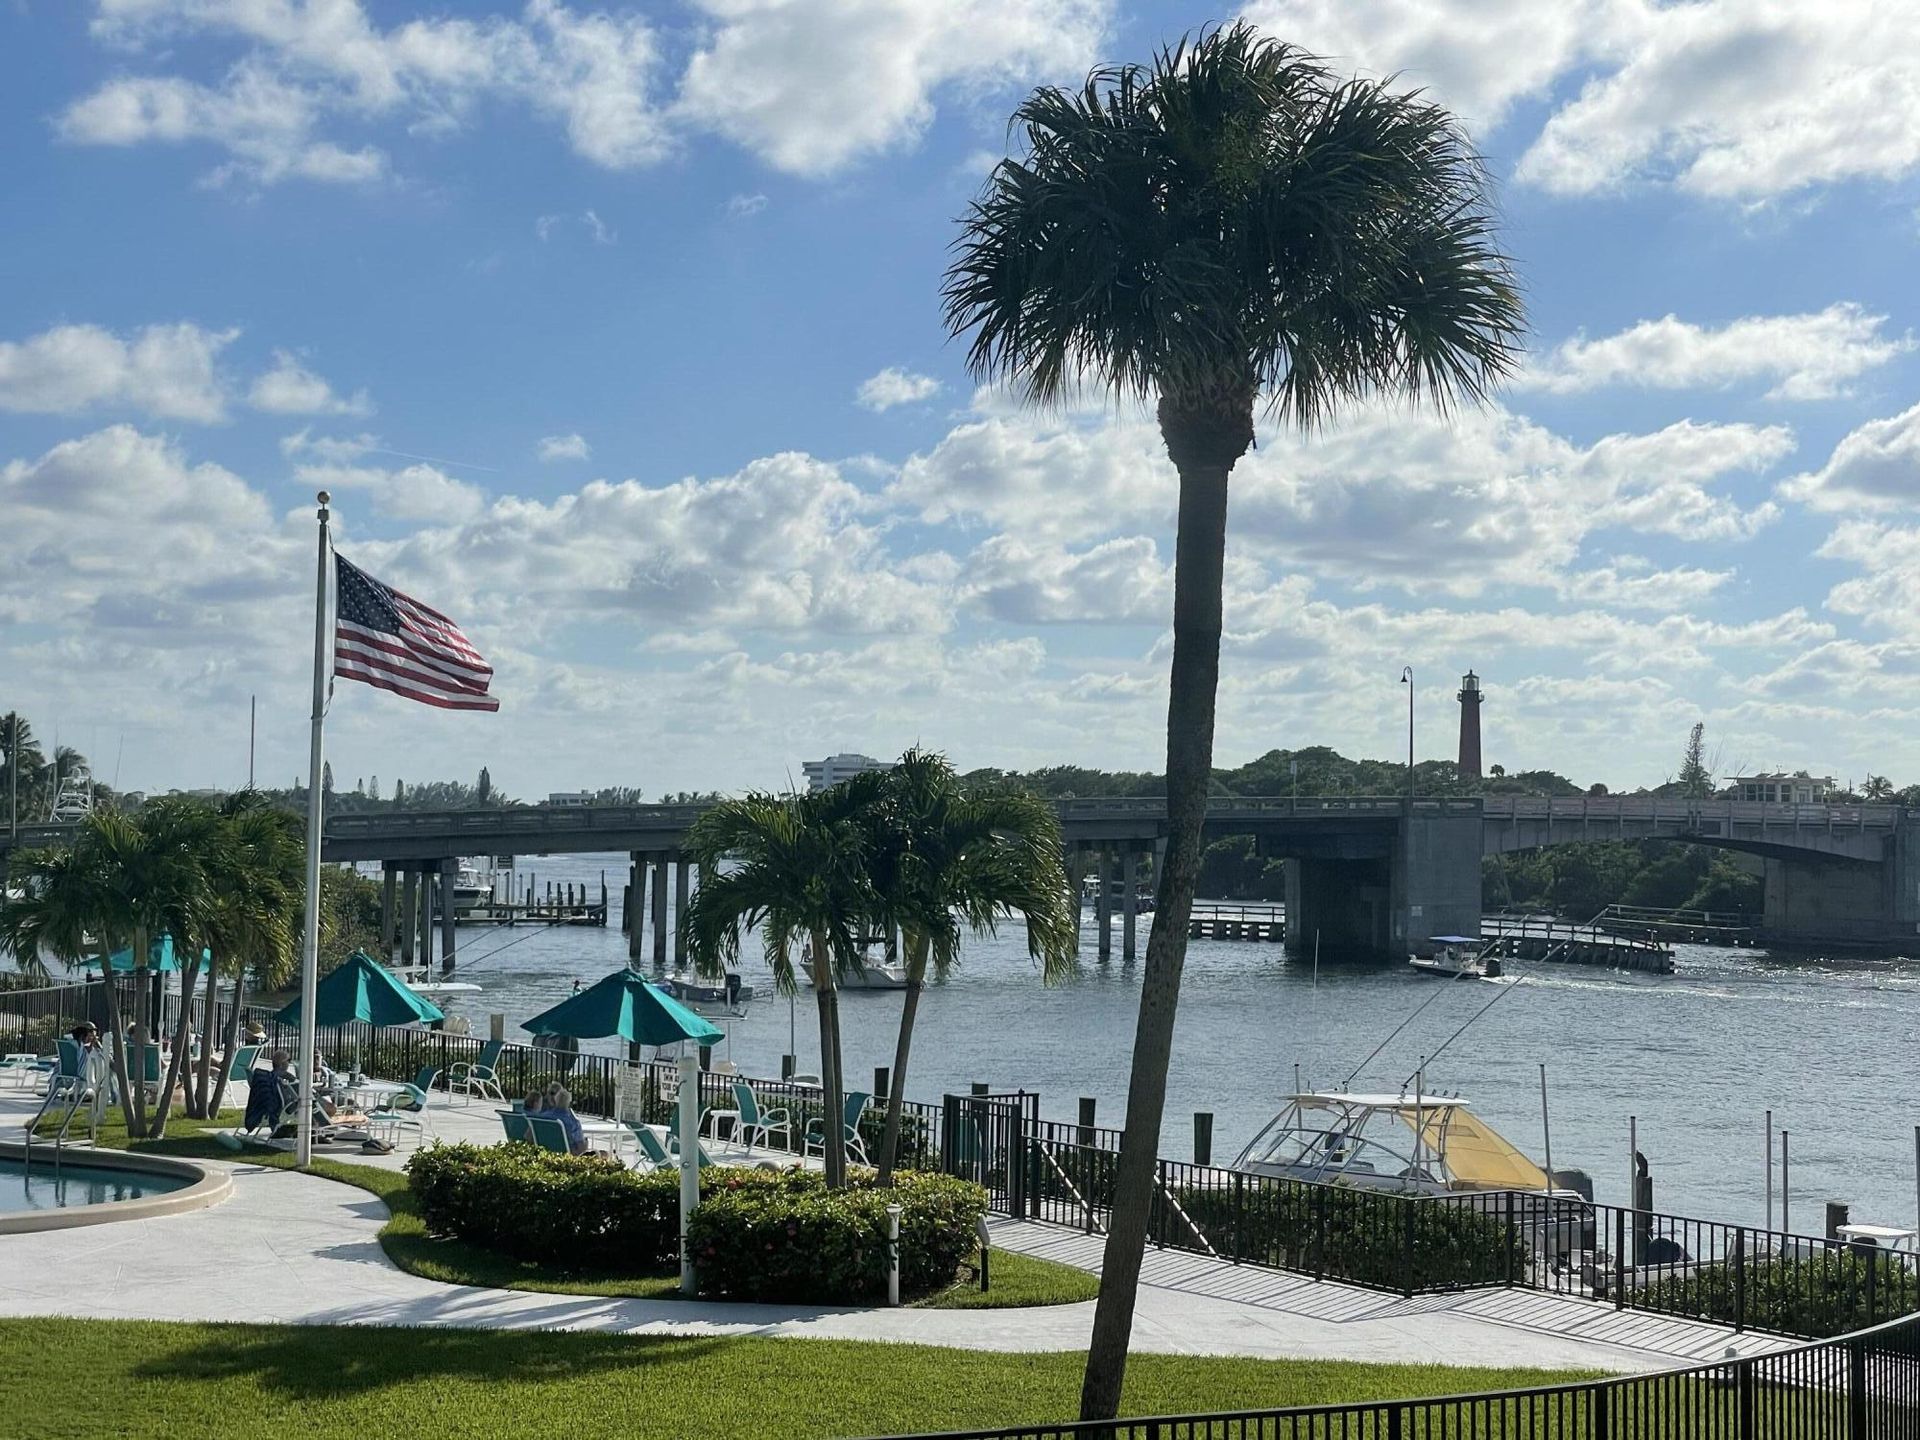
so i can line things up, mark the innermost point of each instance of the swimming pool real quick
(46, 1186)
(89, 1187)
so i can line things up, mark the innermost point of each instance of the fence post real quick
(1872, 1258)
(1619, 1259)
(1597, 1416)
(1203, 1137)
(1086, 1120)
(1394, 1421)
(1158, 1214)
(1016, 1160)
(1239, 1206)
(949, 1111)
(1740, 1284)
(1319, 1232)
(1856, 1389)
(1406, 1248)
(1510, 1238)
(1743, 1388)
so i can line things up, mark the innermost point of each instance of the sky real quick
(614, 331)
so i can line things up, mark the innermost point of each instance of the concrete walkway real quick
(293, 1249)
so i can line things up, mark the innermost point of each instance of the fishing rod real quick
(1505, 990)
(1389, 1040)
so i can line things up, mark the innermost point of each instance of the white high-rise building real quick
(825, 774)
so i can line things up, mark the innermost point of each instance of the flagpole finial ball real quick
(325, 498)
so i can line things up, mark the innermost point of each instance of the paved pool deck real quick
(295, 1249)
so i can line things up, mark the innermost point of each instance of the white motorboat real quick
(1426, 1144)
(472, 889)
(704, 997)
(421, 981)
(1455, 957)
(871, 975)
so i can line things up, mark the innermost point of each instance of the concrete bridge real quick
(1369, 874)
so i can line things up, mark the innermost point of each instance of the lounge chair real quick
(405, 1109)
(517, 1125)
(752, 1123)
(28, 1071)
(816, 1134)
(664, 1155)
(480, 1076)
(548, 1134)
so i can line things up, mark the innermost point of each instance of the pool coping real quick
(208, 1186)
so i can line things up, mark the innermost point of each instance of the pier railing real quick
(1864, 1386)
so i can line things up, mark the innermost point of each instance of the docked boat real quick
(708, 997)
(472, 890)
(1424, 1144)
(1456, 957)
(871, 975)
(422, 981)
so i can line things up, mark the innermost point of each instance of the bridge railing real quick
(1664, 809)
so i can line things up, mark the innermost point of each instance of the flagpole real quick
(310, 944)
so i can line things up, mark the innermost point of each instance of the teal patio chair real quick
(517, 1124)
(751, 1122)
(664, 1155)
(480, 1076)
(405, 1109)
(816, 1133)
(548, 1134)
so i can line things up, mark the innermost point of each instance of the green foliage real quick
(758, 1234)
(1232, 868)
(1578, 881)
(783, 1237)
(1816, 1295)
(564, 1210)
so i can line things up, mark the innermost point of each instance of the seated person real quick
(562, 1110)
(535, 1102)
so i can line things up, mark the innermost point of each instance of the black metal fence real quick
(1864, 1386)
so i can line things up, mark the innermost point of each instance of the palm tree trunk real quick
(203, 1072)
(1204, 443)
(834, 1143)
(137, 1116)
(177, 1061)
(909, 1008)
(119, 1035)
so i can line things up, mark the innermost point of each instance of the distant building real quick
(1798, 788)
(570, 799)
(827, 773)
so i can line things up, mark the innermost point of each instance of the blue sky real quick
(615, 332)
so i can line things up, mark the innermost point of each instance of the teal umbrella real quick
(625, 1005)
(363, 989)
(160, 956)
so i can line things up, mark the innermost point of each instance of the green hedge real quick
(783, 1236)
(1814, 1295)
(776, 1235)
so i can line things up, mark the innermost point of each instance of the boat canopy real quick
(1433, 1140)
(1480, 1158)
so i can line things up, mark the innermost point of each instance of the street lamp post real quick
(1406, 679)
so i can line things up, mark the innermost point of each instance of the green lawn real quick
(1016, 1280)
(76, 1378)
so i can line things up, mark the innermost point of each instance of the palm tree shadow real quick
(335, 1362)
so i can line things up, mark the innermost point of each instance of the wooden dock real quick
(1532, 937)
(1677, 926)
(1265, 922)
(565, 904)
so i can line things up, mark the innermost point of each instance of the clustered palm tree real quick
(1229, 224)
(911, 848)
(223, 884)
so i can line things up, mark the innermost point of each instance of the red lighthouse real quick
(1470, 726)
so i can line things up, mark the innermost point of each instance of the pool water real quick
(42, 1186)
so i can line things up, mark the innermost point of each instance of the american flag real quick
(390, 640)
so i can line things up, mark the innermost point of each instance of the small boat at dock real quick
(708, 997)
(1455, 957)
(1424, 1144)
(421, 981)
(871, 975)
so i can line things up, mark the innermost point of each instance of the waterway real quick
(1698, 1056)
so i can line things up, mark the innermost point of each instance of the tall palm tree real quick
(950, 856)
(22, 758)
(1229, 222)
(798, 874)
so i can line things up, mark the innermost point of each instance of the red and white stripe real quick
(430, 660)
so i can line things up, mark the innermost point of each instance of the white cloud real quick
(813, 87)
(1807, 357)
(597, 229)
(894, 386)
(327, 449)
(1876, 467)
(1118, 581)
(1634, 584)
(166, 371)
(415, 492)
(740, 207)
(289, 388)
(565, 447)
(1742, 100)
(316, 66)
(1380, 497)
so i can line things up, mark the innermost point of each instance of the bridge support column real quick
(633, 918)
(1824, 900)
(1076, 859)
(409, 914)
(682, 884)
(1129, 901)
(1436, 879)
(660, 912)
(449, 872)
(388, 920)
(1103, 905)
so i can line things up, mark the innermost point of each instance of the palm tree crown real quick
(1234, 220)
